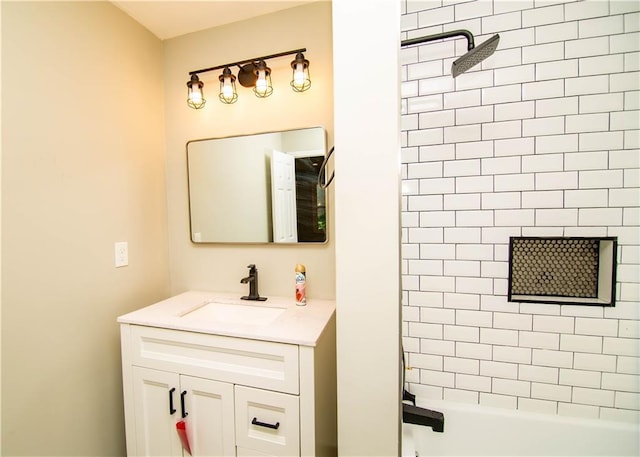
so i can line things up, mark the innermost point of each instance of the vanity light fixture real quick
(301, 80)
(263, 87)
(195, 96)
(228, 92)
(252, 73)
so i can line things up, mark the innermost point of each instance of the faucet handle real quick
(251, 266)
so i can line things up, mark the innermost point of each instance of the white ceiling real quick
(168, 19)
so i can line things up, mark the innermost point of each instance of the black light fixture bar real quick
(246, 61)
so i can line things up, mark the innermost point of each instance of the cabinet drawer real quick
(268, 422)
(255, 363)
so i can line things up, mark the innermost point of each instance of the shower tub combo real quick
(485, 431)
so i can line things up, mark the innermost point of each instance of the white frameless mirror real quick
(260, 188)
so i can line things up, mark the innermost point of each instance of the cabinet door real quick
(209, 421)
(155, 421)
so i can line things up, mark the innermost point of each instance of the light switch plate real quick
(122, 254)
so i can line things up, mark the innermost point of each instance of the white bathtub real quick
(476, 430)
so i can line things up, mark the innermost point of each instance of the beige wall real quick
(0, 232)
(82, 168)
(81, 172)
(220, 267)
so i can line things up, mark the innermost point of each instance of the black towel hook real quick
(322, 172)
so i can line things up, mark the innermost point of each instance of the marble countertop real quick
(277, 319)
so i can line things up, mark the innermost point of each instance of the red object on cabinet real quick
(181, 427)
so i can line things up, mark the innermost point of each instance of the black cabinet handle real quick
(172, 410)
(184, 413)
(275, 426)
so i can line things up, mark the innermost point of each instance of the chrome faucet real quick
(252, 279)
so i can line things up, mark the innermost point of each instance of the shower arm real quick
(440, 36)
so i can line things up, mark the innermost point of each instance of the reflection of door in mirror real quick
(283, 195)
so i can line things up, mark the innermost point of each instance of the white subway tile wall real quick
(541, 139)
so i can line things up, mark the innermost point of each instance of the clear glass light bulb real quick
(196, 96)
(227, 91)
(261, 83)
(298, 76)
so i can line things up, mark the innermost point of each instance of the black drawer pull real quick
(182, 407)
(275, 426)
(172, 410)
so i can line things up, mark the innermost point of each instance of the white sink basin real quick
(234, 313)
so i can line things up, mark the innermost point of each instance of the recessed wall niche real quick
(563, 270)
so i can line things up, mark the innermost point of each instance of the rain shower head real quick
(474, 54)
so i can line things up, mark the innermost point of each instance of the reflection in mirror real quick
(260, 188)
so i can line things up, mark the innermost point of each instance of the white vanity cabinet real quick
(238, 395)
